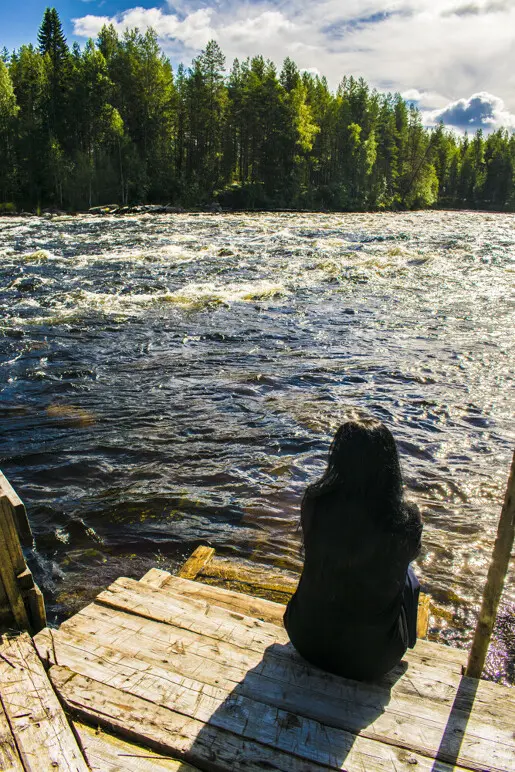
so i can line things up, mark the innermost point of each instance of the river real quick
(168, 380)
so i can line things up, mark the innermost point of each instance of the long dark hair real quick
(364, 469)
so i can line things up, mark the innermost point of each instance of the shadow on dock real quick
(275, 713)
(456, 726)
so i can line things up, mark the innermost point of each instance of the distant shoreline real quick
(157, 209)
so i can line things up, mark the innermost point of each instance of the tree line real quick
(112, 123)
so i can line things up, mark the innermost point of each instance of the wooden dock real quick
(173, 674)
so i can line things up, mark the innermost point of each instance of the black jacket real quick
(345, 616)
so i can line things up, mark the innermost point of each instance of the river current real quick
(176, 379)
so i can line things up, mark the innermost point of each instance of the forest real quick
(111, 122)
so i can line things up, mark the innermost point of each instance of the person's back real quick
(348, 615)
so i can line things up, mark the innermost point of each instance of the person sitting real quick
(354, 612)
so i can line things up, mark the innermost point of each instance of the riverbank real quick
(216, 208)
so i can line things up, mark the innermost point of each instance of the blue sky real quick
(454, 58)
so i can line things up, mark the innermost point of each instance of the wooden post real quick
(21, 602)
(495, 580)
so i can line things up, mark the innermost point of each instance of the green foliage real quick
(51, 38)
(111, 122)
(7, 208)
(8, 112)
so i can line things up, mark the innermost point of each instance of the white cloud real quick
(194, 31)
(480, 111)
(433, 50)
(425, 100)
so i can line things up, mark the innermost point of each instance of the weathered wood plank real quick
(9, 758)
(211, 621)
(423, 615)
(248, 605)
(18, 508)
(10, 535)
(167, 731)
(37, 610)
(244, 576)
(165, 643)
(273, 742)
(215, 663)
(411, 722)
(4, 602)
(120, 629)
(10, 552)
(107, 753)
(43, 737)
(447, 655)
(216, 622)
(155, 577)
(197, 561)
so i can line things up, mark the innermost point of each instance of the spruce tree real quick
(51, 38)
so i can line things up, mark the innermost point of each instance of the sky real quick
(455, 59)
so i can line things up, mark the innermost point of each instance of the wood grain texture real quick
(281, 670)
(424, 604)
(252, 578)
(18, 508)
(198, 616)
(155, 577)
(170, 605)
(10, 535)
(197, 561)
(12, 563)
(409, 721)
(249, 605)
(9, 757)
(38, 724)
(107, 753)
(285, 744)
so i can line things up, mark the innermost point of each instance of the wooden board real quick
(284, 743)
(9, 757)
(10, 536)
(107, 753)
(37, 722)
(196, 562)
(252, 578)
(198, 616)
(18, 509)
(424, 605)
(407, 720)
(271, 612)
(190, 655)
(250, 605)
(12, 563)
